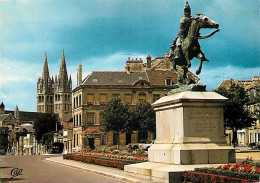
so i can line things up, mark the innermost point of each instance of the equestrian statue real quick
(186, 45)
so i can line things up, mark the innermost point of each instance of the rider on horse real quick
(184, 27)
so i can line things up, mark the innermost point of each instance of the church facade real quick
(54, 93)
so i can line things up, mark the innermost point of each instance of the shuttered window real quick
(90, 99)
(142, 96)
(103, 98)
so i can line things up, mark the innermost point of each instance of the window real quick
(142, 136)
(128, 99)
(168, 82)
(77, 139)
(90, 118)
(76, 120)
(156, 97)
(100, 117)
(74, 139)
(90, 99)
(103, 98)
(115, 138)
(142, 97)
(79, 99)
(80, 120)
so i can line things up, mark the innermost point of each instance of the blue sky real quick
(99, 34)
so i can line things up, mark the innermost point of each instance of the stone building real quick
(252, 87)
(54, 93)
(140, 81)
(19, 125)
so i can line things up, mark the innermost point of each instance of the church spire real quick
(16, 112)
(45, 72)
(63, 70)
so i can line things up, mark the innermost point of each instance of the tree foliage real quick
(46, 123)
(142, 118)
(236, 115)
(119, 118)
(47, 139)
(115, 115)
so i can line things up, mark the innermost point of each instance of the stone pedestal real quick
(189, 131)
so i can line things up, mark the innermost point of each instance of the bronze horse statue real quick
(190, 47)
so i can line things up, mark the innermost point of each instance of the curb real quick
(117, 177)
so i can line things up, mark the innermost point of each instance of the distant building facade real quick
(54, 93)
(18, 127)
(252, 87)
(140, 81)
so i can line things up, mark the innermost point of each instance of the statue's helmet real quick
(187, 10)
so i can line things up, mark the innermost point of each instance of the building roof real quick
(27, 127)
(3, 116)
(157, 78)
(114, 78)
(246, 84)
(26, 115)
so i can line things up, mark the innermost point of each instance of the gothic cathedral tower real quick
(63, 92)
(54, 95)
(45, 90)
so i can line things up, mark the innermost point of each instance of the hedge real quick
(198, 177)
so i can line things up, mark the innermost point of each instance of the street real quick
(37, 170)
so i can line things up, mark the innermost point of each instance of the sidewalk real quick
(243, 155)
(105, 171)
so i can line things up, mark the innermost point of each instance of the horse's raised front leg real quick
(202, 58)
(200, 67)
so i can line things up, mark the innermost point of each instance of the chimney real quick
(148, 62)
(79, 75)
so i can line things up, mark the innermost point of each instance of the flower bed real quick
(239, 172)
(198, 177)
(240, 167)
(106, 159)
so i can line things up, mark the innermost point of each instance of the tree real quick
(47, 139)
(115, 116)
(236, 115)
(257, 106)
(142, 118)
(46, 123)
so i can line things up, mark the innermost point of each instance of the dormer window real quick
(168, 82)
(94, 80)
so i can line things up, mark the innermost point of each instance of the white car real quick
(147, 145)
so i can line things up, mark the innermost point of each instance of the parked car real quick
(147, 145)
(254, 145)
(57, 147)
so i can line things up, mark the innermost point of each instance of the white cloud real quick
(17, 71)
(17, 83)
